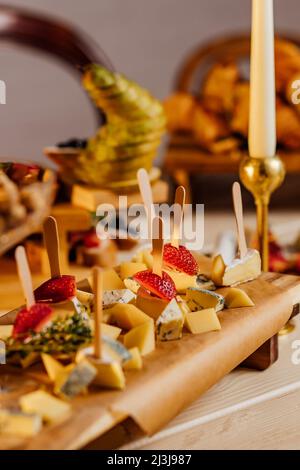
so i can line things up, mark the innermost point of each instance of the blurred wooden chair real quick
(75, 49)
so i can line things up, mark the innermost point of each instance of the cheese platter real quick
(140, 341)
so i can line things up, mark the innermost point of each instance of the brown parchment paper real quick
(176, 373)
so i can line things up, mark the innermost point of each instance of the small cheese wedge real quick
(108, 374)
(149, 304)
(52, 366)
(131, 284)
(239, 271)
(127, 316)
(5, 331)
(218, 269)
(16, 423)
(202, 321)
(198, 299)
(122, 296)
(111, 331)
(130, 269)
(142, 337)
(86, 298)
(170, 323)
(51, 409)
(235, 298)
(136, 362)
(74, 379)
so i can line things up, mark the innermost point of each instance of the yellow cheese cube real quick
(16, 423)
(182, 281)
(142, 337)
(202, 321)
(51, 409)
(129, 269)
(5, 331)
(152, 306)
(136, 362)
(111, 331)
(109, 374)
(52, 366)
(235, 298)
(127, 316)
(111, 281)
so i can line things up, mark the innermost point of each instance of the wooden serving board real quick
(185, 369)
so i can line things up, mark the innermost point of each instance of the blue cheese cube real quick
(170, 322)
(74, 379)
(122, 296)
(198, 299)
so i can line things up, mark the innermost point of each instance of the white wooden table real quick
(246, 410)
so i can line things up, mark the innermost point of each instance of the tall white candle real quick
(262, 122)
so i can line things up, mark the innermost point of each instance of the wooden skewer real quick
(158, 245)
(146, 193)
(52, 245)
(238, 210)
(98, 293)
(178, 215)
(25, 276)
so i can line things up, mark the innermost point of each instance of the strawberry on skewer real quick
(157, 282)
(60, 287)
(35, 316)
(176, 256)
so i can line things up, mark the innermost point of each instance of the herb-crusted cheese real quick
(198, 299)
(170, 323)
(122, 296)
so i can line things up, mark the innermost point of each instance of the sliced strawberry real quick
(33, 319)
(22, 173)
(90, 239)
(180, 259)
(56, 289)
(163, 287)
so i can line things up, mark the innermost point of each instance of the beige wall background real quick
(145, 39)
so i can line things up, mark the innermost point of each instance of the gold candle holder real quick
(262, 176)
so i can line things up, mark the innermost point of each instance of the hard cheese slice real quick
(202, 321)
(16, 423)
(52, 366)
(142, 337)
(235, 298)
(149, 304)
(136, 362)
(108, 374)
(51, 409)
(202, 298)
(170, 323)
(126, 316)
